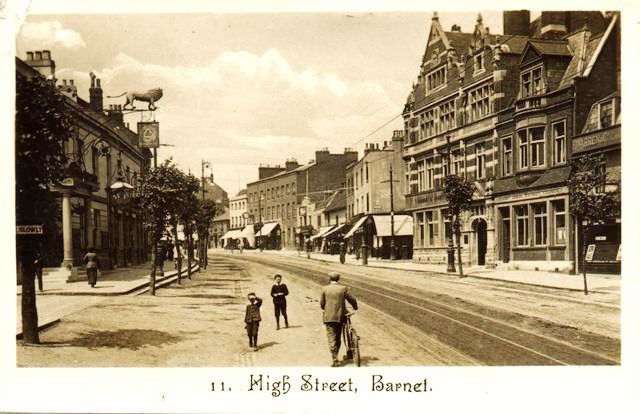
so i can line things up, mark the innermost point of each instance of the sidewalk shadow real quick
(268, 344)
(132, 339)
(293, 327)
(364, 361)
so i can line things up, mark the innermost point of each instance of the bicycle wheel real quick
(355, 347)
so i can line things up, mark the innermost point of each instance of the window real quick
(559, 142)
(540, 224)
(428, 124)
(455, 163)
(430, 174)
(559, 222)
(531, 82)
(436, 78)
(420, 235)
(507, 154)
(480, 164)
(522, 225)
(422, 185)
(536, 139)
(478, 63)
(606, 114)
(601, 177)
(356, 180)
(447, 225)
(96, 228)
(432, 227)
(448, 115)
(95, 161)
(366, 171)
(480, 102)
(367, 203)
(531, 147)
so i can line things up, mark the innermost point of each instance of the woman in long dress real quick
(91, 264)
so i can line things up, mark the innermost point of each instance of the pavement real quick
(59, 298)
(595, 282)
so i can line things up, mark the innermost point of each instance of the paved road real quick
(487, 335)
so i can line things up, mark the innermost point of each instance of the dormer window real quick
(605, 114)
(436, 78)
(478, 63)
(531, 82)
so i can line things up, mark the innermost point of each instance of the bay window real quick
(559, 142)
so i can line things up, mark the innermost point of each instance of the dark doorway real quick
(481, 237)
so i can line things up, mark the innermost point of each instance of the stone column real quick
(67, 262)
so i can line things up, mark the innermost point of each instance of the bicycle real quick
(351, 340)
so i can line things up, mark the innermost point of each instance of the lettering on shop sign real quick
(596, 140)
(534, 194)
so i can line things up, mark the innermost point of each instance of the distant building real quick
(103, 151)
(219, 227)
(280, 191)
(213, 191)
(237, 210)
(368, 185)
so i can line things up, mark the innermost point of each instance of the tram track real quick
(475, 333)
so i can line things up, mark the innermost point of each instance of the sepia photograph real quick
(331, 191)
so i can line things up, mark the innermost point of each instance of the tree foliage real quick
(459, 194)
(587, 199)
(43, 125)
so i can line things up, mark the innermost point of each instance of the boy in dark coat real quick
(279, 294)
(252, 319)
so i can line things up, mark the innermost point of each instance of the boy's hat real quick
(278, 275)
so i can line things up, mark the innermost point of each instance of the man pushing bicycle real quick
(333, 303)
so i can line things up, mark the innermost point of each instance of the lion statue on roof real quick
(151, 96)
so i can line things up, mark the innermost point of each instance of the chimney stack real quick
(115, 113)
(291, 164)
(553, 24)
(516, 22)
(95, 94)
(42, 62)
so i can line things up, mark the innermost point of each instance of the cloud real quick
(242, 109)
(51, 33)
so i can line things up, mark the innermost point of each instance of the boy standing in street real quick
(252, 319)
(279, 294)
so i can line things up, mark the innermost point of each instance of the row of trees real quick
(590, 202)
(169, 199)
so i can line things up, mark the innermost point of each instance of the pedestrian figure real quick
(279, 294)
(333, 303)
(91, 264)
(308, 245)
(252, 319)
(343, 252)
(241, 245)
(38, 268)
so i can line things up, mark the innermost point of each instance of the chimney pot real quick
(46, 54)
(38, 55)
(29, 55)
(97, 83)
(71, 82)
(64, 82)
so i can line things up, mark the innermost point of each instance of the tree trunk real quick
(152, 276)
(460, 272)
(189, 254)
(28, 300)
(178, 253)
(206, 251)
(584, 257)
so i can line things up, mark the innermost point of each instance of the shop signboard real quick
(148, 134)
(590, 250)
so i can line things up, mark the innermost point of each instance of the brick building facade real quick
(509, 105)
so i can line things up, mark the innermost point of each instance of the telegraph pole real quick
(393, 241)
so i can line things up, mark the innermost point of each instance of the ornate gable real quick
(529, 54)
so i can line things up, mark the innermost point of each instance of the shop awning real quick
(334, 231)
(231, 234)
(267, 228)
(247, 231)
(402, 225)
(355, 227)
(321, 232)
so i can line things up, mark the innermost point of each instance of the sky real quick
(247, 89)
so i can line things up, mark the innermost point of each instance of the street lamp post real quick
(450, 250)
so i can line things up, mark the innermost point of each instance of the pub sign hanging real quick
(148, 134)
